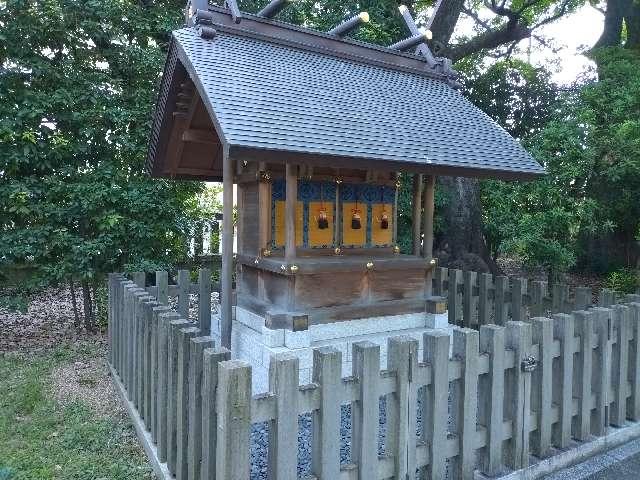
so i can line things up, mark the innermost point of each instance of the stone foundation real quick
(254, 343)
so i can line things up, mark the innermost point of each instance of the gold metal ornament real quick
(369, 265)
(339, 180)
(266, 252)
(433, 261)
(396, 249)
(337, 251)
(264, 176)
(293, 268)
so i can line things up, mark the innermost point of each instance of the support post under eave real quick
(427, 225)
(227, 251)
(417, 211)
(291, 178)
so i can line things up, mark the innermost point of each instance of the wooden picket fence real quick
(476, 299)
(505, 393)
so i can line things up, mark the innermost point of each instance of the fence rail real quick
(483, 408)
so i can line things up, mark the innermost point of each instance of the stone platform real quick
(254, 343)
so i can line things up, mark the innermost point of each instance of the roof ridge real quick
(296, 36)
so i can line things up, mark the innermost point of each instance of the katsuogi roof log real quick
(263, 90)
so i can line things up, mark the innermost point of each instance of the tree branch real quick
(510, 32)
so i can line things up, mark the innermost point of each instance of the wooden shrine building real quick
(313, 128)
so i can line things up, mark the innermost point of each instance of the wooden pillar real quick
(417, 211)
(291, 178)
(226, 273)
(264, 205)
(427, 219)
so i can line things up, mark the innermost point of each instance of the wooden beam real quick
(427, 219)
(417, 212)
(264, 206)
(291, 178)
(227, 250)
(200, 136)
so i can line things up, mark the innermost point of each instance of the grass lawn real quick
(82, 435)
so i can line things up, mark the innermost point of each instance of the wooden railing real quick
(505, 393)
(476, 299)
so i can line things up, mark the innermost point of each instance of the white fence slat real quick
(211, 357)
(634, 364)
(602, 371)
(163, 389)
(185, 335)
(518, 293)
(491, 397)
(184, 289)
(465, 403)
(162, 285)
(365, 412)
(583, 373)
(436, 402)
(204, 301)
(146, 361)
(325, 446)
(517, 396)
(155, 370)
(542, 386)
(563, 330)
(484, 303)
(172, 391)
(194, 437)
(234, 420)
(620, 365)
(283, 430)
(402, 358)
(455, 279)
(501, 306)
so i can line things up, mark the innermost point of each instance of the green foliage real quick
(80, 81)
(590, 148)
(625, 280)
(39, 438)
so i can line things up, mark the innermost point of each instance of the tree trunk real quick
(462, 244)
(74, 303)
(89, 323)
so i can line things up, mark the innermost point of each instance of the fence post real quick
(204, 301)
(162, 285)
(139, 352)
(185, 335)
(484, 285)
(455, 279)
(518, 293)
(583, 298)
(365, 412)
(402, 411)
(538, 296)
(501, 308)
(123, 325)
(211, 358)
(607, 298)
(134, 370)
(435, 404)
(155, 370)
(147, 367)
(172, 391)
(234, 420)
(140, 279)
(184, 290)
(491, 397)
(542, 386)
(620, 365)
(583, 373)
(563, 330)
(282, 460)
(634, 363)
(518, 396)
(603, 366)
(559, 299)
(112, 278)
(325, 455)
(197, 346)
(439, 281)
(164, 317)
(465, 403)
(469, 299)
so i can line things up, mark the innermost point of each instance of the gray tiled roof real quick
(273, 96)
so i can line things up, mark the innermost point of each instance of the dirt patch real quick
(47, 323)
(89, 381)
